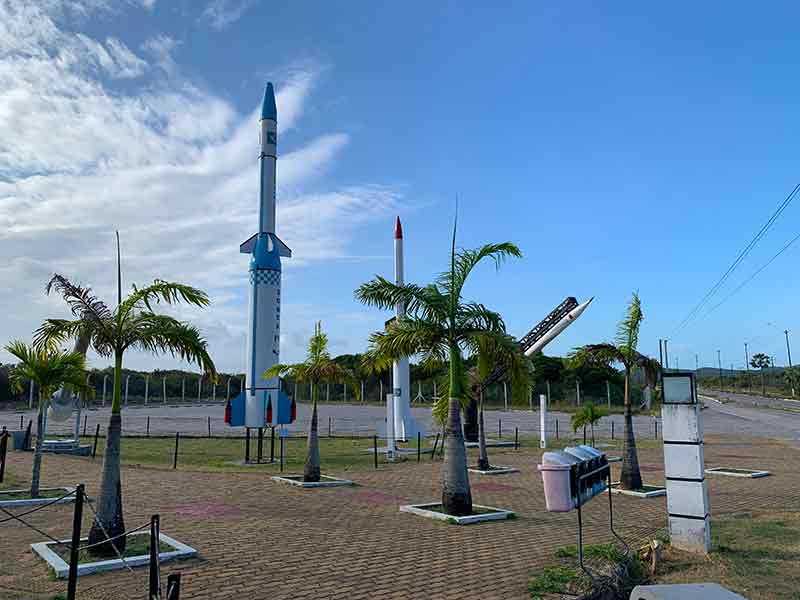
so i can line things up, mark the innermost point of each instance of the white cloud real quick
(221, 13)
(148, 4)
(171, 165)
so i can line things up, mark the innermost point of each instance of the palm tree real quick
(519, 374)
(440, 325)
(49, 368)
(588, 415)
(760, 361)
(316, 368)
(131, 325)
(623, 351)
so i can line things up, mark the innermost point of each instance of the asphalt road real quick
(749, 416)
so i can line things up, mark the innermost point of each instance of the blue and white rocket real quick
(263, 403)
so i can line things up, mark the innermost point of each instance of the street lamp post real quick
(146, 388)
(789, 354)
(127, 386)
(199, 387)
(719, 361)
(105, 383)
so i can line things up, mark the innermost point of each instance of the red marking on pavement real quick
(375, 498)
(493, 487)
(205, 509)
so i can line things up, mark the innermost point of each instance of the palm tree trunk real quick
(631, 477)
(311, 471)
(456, 495)
(483, 458)
(109, 521)
(37, 455)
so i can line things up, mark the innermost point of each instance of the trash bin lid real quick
(580, 453)
(558, 457)
(593, 451)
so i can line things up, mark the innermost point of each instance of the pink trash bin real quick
(556, 479)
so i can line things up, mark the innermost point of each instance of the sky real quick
(624, 148)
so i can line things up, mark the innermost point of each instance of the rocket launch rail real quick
(534, 335)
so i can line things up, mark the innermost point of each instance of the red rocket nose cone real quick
(398, 229)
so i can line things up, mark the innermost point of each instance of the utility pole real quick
(696, 362)
(164, 388)
(661, 352)
(146, 388)
(127, 384)
(199, 387)
(733, 378)
(666, 354)
(789, 354)
(719, 361)
(747, 365)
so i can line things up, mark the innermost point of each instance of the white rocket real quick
(565, 322)
(405, 427)
(262, 403)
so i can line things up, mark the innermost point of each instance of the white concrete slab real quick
(693, 535)
(688, 498)
(325, 481)
(750, 474)
(495, 470)
(36, 501)
(498, 514)
(683, 460)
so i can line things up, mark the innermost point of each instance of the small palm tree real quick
(49, 368)
(587, 416)
(131, 325)
(318, 367)
(440, 325)
(760, 361)
(623, 351)
(792, 377)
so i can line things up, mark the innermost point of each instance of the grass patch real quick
(136, 545)
(556, 580)
(753, 554)
(608, 552)
(26, 494)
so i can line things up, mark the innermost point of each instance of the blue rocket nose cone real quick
(268, 108)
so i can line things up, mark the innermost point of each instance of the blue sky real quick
(623, 148)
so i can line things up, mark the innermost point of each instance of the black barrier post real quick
(655, 428)
(272, 446)
(148, 426)
(175, 458)
(584, 435)
(556, 428)
(155, 567)
(444, 438)
(209, 435)
(329, 426)
(3, 450)
(21, 422)
(74, 547)
(375, 449)
(612, 430)
(246, 445)
(516, 438)
(281, 454)
(174, 586)
(96, 435)
(85, 418)
(419, 447)
(26, 443)
(435, 443)
(499, 429)
(260, 444)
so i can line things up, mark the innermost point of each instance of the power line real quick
(749, 279)
(742, 255)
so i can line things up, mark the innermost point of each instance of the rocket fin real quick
(249, 245)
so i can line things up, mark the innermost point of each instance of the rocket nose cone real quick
(398, 229)
(268, 108)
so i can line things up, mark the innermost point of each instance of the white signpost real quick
(687, 491)
(542, 421)
(391, 440)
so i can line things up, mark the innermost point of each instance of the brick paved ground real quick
(259, 539)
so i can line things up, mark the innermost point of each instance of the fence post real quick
(584, 435)
(500, 429)
(96, 435)
(246, 445)
(329, 426)
(85, 418)
(155, 566)
(272, 446)
(655, 428)
(26, 443)
(556, 428)
(21, 422)
(174, 586)
(516, 438)
(419, 449)
(260, 444)
(209, 426)
(148, 426)
(612, 430)
(3, 450)
(282, 438)
(74, 547)
(435, 443)
(375, 449)
(175, 458)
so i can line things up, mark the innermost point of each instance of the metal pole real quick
(30, 397)
(789, 354)
(228, 390)
(327, 392)
(505, 396)
(661, 352)
(696, 362)
(199, 387)
(164, 388)
(147, 431)
(542, 421)
(3, 451)
(666, 354)
(127, 384)
(175, 458)
(155, 566)
(105, 383)
(209, 426)
(183, 389)
(381, 396)
(74, 547)
(578, 390)
(272, 445)
(375, 449)
(96, 435)
(747, 365)
(260, 444)
(608, 393)
(214, 393)
(362, 390)
(419, 448)
(146, 388)
(549, 397)
(719, 362)
(247, 445)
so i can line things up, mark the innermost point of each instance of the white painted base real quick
(500, 514)
(325, 481)
(615, 489)
(494, 470)
(61, 567)
(614, 459)
(491, 444)
(35, 501)
(753, 474)
(693, 535)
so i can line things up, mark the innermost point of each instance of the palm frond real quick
(465, 260)
(159, 291)
(628, 329)
(472, 315)
(595, 355)
(406, 337)
(424, 302)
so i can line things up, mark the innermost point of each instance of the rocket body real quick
(568, 320)
(263, 399)
(404, 426)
